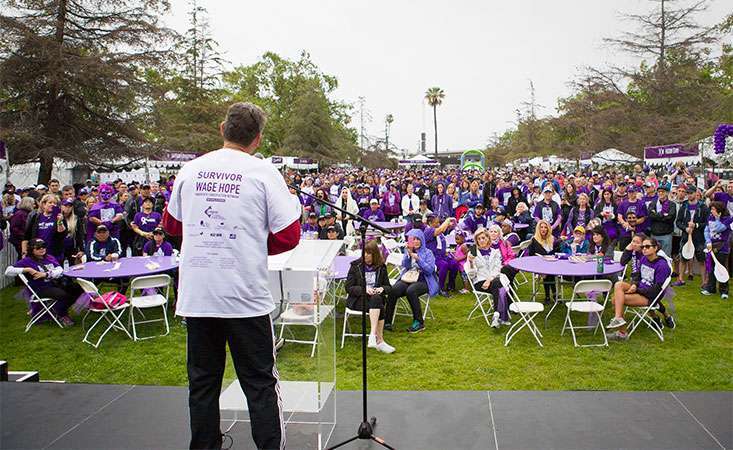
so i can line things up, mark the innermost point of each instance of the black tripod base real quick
(366, 431)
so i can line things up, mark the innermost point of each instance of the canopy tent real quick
(547, 162)
(610, 157)
(419, 160)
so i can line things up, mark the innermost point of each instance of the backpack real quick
(112, 299)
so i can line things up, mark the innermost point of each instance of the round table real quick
(123, 268)
(563, 267)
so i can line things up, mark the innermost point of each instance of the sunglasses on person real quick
(645, 246)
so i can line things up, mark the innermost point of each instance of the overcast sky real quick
(481, 53)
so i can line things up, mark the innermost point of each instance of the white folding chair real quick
(526, 311)
(482, 299)
(617, 258)
(425, 300)
(159, 283)
(46, 305)
(346, 330)
(393, 246)
(116, 312)
(395, 261)
(642, 314)
(521, 278)
(585, 287)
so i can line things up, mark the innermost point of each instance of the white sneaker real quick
(616, 322)
(505, 322)
(385, 347)
(495, 322)
(724, 296)
(372, 341)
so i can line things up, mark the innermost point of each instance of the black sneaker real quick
(388, 326)
(658, 321)
(416, 327)
(670, 323)
(690, 278)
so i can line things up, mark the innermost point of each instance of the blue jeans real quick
(665, 243)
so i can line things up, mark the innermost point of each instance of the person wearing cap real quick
(692, 216)
(577, 243)
(68, 242)
(332, 233)
(44, 277)
(650, 194)
(310, 227)
(548, 210)
(105, 212)
(331, 222)
(103, 247)
(662, 215)
(322, 225)
(157, 246)
(373, 213)
(475, 219)
(143, 224)
(42, 223)
(42, 189)
(634, 205)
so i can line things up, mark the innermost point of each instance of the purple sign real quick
(303, 161)
(671, 151)
(277, 159)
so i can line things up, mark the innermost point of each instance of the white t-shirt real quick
(229, 201)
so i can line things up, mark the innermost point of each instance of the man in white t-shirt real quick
(235, 209)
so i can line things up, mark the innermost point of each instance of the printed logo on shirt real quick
(547, 214)
(647, 275)
(146, 220)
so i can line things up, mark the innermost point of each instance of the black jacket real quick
(355, 282)
(701, 219)
(535, 248)
(662, 224)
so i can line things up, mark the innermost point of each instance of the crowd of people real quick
(53, 227)
(486, 214)
(574, 212)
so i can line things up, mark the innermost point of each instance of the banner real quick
(671, 151)
(303, 161)
(277, 160)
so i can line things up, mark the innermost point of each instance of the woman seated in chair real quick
(577, 243)
(544, 243)
(600, 244)
(44, 277)
(377, 289)
(644, 288)
(417, 278)
(492, 256)
(158, 246)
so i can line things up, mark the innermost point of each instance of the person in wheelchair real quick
(44, 276)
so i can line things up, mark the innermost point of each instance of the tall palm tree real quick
(435, 96)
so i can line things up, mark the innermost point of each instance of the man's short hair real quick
(243, 122)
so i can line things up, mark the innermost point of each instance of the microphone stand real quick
(367, 426)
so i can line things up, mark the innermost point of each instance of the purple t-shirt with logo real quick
(46, 228)
(147, 222)
(165, 249)
(45, 265)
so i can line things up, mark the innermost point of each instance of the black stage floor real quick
(72, 416)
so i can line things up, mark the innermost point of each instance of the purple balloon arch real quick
(721, 133)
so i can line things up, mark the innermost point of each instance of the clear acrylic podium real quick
(305, 319)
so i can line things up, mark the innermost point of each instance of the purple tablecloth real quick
(124, 267)
(535, 264)
(521, 226)
(340, 266)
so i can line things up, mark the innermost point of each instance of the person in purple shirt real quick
(143, 225)
(105, 212)
(717, 242)
(644, 288)
(441, 204)
(158, 246)
(650, 196)
(43, 273)
(635, 205)
(503, 193)
(373, 213)
(392, 202)
(507, 230)
(724, 196)
(435, 242)
(475, 219)
(43, 223)
(606, 210)
(549, 211)
(311, 226)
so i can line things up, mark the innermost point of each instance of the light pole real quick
(387, 123)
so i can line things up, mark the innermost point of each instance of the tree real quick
(435, 96)
(72, 78)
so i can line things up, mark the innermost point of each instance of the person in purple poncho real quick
(644, 288)
(435, 241)
(44, 273)
(105, 212)
(717, 242)
(391, 202)
(42, 223)
(143, 225)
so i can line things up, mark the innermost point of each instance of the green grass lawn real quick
(451, 353)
